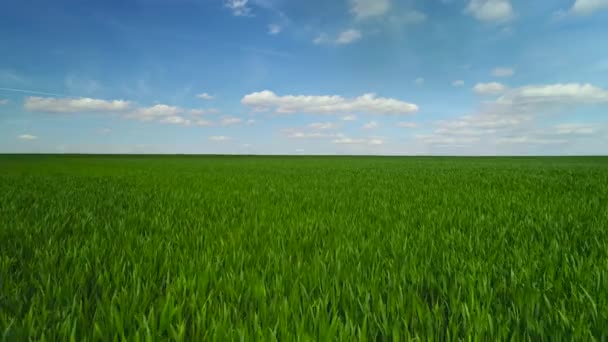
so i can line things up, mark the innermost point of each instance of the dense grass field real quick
(309, 248)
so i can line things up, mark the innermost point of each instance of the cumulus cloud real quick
(205, 96)
(326, 104)
(363, 9)
(230, 121)
(491, 88)
(407, 124)
(497, 11)
(176, 120)
(357, 141)
(274, 29)
(587, 7)
(155, 112)
(219, 138)
(73, 105)
(371, 125)
(204, 123)
(343, 38)
(27, 137)
(239, 8)
(568, 93)
(458, 83)
(203, 111)
(348, 36)
(503, 72)
(322, 125)
(349, 118)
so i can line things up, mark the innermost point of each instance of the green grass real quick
(309, 248)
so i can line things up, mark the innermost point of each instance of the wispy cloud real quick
(28, 137)
(503, 72)
(239, 8)
(326, 104)
(74, 105)
(205, 96)
(496, 11)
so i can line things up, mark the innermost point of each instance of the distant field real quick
(274, 248)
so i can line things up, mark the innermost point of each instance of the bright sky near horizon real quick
(404, 77)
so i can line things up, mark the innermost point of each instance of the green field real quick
(309, 248)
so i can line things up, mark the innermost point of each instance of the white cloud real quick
(458, 83)
(371, 125)
(322, 125)
(407, 124)
(251, 122)
(419, 81)
(587, 7)
(498, 11)
(27, 137)
(238, 7)
(269, 101)
(503, 72)
(310, 135)
(349, 118)
(3, 101)
(204, 123)
(219, 138)
(575, 129)
(203, 111)
(530, 140)
(274, 29)
(348, 36)
(73, 105)
(205, 96)
(230, 121)
(363, 9)
(321, 39)
(176, 120)
(569, 93)
(358, 141)
(491, 88)
(344, 38)
(154, 112)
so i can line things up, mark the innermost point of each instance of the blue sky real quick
(408, 77)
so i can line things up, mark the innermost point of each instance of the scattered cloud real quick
(205, 96)
(155, 112)
(411, 17)
(322, 125)
(291, 134)
(176, 120)
(204, 123)
(503, 72)
(251, 122)
(358, 141)
(419, 81)
(203, 111)
(363, 9)
(73, 105)
(239, 8)
(3, 101)
(491, 88)
(343, 38)
(407, 124)
(587, 7)
(333, 104)
(371, 125)
(554, 94)
(274, 29)
(219, 138)
(496, 11)
(575, 129)
(230, 121)
(348, 36)
(458, 83)
(28, 137)
(349, 118)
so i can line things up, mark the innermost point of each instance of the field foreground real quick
(279, 248)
